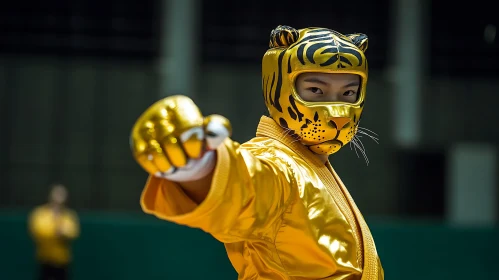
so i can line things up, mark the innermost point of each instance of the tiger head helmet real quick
(324, 127)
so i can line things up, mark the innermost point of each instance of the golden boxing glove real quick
(173, 137)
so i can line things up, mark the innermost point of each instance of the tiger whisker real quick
(286, 133)
(363, 128)
(290, 133)
(357, 138)
(363, 152)
(374, 138)
(367, 134)
(354, 149)
(360, 146)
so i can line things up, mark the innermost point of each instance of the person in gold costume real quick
(275, 201)
(53, 227)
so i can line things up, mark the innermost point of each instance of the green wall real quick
(137, 246)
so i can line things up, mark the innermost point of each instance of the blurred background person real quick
(53, 227)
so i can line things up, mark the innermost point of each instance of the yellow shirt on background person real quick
(53, 247)
(281, 212)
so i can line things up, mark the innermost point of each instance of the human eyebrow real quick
(315, 80)
(352, 84)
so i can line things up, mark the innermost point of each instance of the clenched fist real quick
(173, 137)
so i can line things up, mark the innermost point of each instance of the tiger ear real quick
(360, 40)
(283, 36)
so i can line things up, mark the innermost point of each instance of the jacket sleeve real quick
(248, 193)
(40, 230)
(70, 227)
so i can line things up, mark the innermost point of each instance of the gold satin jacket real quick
(279, 210)
(51, 247)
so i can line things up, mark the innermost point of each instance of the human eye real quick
(315, 90)
(349, 93)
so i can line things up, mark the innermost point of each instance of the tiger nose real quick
(340, 122)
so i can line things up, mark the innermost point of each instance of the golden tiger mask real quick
(324, 127)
